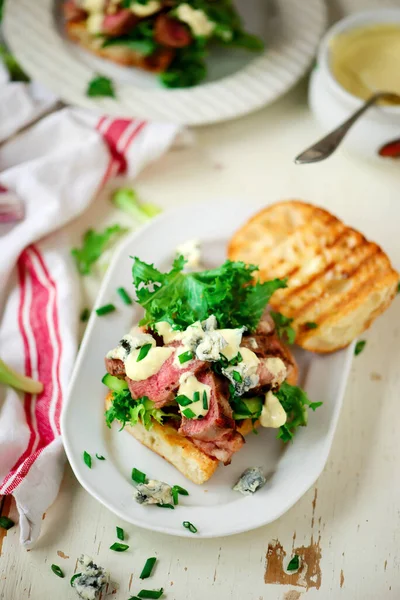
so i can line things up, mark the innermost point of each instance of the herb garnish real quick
(88, 459)
(294, 563)
(120, 533)
(359, 347)
(183, 400)
(100, 86)
(295, 402)
(148, 568)
(161, 505)
(94, 244)
(85, 314)
(124, 295)
(311, 325)
(71, 581)
(138, 476)
(224, 292)
(205, 400)
(188, 413)
(6, 523)
(99, 457)
(185, 357)
(104, 310)
(57, 571)
(283, 326)
(196, 397)
(117, 547)
(144, 350)
(237, 376)
(151, 593)
(190, 526)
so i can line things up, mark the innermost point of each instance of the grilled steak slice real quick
(160, 387)
(216, 434)
(115, 367)
(120, 23)
(171, 32)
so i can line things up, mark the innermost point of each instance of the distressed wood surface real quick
(347, 527)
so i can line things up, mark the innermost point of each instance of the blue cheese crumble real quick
(92, 580)
(250, 481)
(153, 492)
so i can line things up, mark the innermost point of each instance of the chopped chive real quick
(190, 526)
(117, 547)
(183, 400)
(85, 314)
(151, 593)
(74, 577)
(88, 459)
(120, 533)
(138, 476)
(237, 376)
(57, 571)
(205, 400)
(189, 414)
(359, 347)
(6, 523)
(239, 358)
(104, 310)
(124, 295)
(196, 397)
(294, 563)
(398, 288)
(99, 457)
(174, 493)
(148, 567)
(144, 350)
(311, 325)
(165, 505)
(185, 356)
(181, 490)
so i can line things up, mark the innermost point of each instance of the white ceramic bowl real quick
(332, 104)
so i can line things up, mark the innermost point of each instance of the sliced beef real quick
(171, 32)
(73, 12)
(160, 387)
(115, 367)
(216, 434)
(120, 23)
(158, 62)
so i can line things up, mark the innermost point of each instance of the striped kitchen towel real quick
(53, 171)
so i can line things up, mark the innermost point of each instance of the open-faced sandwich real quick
(205, 365)
(169, 37)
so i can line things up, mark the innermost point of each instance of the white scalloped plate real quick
(239, 82)
(214, 508)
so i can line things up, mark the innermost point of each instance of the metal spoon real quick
(329, 143)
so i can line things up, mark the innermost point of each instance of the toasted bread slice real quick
(157, 62)
(337, 279)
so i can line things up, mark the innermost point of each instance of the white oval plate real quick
(214, 508)
(239, 82)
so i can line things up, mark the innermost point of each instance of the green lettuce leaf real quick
(283, 327)
(94, 244)
(183, 298)
(127, 410)
(295, 402)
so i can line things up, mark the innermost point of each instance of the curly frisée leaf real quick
(295, 403)
(183, 298)
(127, 410)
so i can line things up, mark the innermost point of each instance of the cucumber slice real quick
(249, 408)
(114, 383)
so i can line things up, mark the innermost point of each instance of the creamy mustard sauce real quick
(188, 386)
(197, 20)
(277, 368)
(148, 366)
(233, 338)
(272, 414)
(168, 334)
(145, 10)
(367, 59)
(94, 6)
(94, 23)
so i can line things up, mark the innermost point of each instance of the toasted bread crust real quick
(337, 279)
(122, 55)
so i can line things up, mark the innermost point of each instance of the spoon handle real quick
(330, 142)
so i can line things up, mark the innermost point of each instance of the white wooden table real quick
(347, 527)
